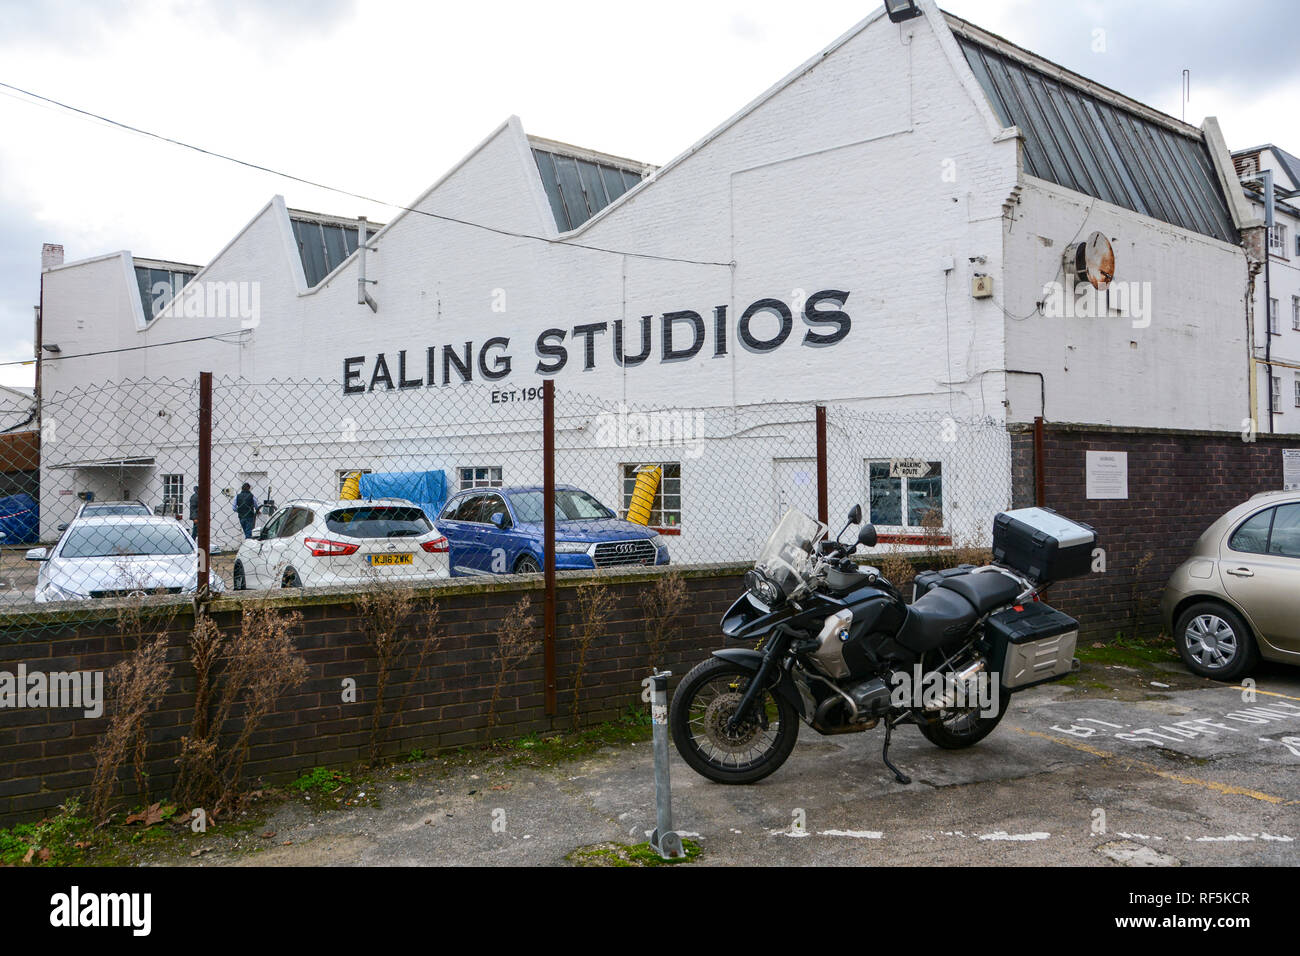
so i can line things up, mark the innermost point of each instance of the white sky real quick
(380, 97)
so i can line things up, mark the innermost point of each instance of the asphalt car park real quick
(1187, 773)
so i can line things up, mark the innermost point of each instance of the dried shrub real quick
(136, 686)
(661, 603)
(258, 665)
(517, 642)
(595, 605)
(395, 623)
(896, 568)
(198, 780)
(1140, 597)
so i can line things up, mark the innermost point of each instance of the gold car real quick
(1237, 598)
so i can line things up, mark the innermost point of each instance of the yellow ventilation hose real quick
(643, 494)
(351, 487)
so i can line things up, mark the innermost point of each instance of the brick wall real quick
(46, 755)
(1179, 483)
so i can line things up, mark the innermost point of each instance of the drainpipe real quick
(1267, 175)
(363, 294)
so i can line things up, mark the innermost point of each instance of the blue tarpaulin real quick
(428, 489)
(19, 519)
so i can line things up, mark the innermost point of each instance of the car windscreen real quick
(569, 506)
(378, 522)
(113, 540)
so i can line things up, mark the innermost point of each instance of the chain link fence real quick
(348, 485)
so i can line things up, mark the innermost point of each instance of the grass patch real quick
(321, 780)
(638, 854)
(1138, 653)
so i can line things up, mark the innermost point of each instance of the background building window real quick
(480, 477)
(1277, 392)
(1272, 316)
(1277, 238)
(899, 501)
(173, 494)
(1295, 312)
(1297, 390)
(158, 287)
(666, 511)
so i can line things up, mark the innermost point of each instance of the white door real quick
(795, 480)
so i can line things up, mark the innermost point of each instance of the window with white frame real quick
(346, 473)
(1295, 312)
(1272, 316)
(173, 494)
(1277, 392)
(666, 507)
(905, 493)
(1277, 238)
(1297, 389)
(481, 476)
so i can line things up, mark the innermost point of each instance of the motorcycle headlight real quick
(762, 587)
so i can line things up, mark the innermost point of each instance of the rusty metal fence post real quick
(823, 484)
(203, 513)
(548, 543)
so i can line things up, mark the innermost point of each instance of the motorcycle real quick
(839, 648)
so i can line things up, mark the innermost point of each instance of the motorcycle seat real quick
(985, 591)
(935, 618)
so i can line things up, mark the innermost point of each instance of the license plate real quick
(391, 559)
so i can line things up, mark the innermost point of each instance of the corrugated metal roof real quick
(1077, 139)
(578, 187)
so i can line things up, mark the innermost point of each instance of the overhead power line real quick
(346, 192)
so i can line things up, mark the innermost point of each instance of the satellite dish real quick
(1092, 261)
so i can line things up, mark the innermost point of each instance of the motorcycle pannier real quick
(1043, 545)
(1031, 643)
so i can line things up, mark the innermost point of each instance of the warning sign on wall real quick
(1291, 469)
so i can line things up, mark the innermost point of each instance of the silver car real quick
(119, 555)
(1237, 598)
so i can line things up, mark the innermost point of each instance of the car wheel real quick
(1215, 642)
(290, 579)
(527, 565)
(239, 583)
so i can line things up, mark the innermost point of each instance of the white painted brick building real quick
(838, 222)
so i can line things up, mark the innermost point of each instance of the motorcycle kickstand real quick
(898, 774)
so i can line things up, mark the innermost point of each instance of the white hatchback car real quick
(312, 543)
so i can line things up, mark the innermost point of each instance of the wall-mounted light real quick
(52, 348)
(900, 10)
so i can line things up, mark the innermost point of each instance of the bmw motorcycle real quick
(840, 649)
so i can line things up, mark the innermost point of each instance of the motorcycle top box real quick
(1043, 545)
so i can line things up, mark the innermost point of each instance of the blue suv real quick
(499, 531)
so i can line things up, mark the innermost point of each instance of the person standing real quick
(194, 512)
(246, 508)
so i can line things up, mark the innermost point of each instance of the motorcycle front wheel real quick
(704, 702)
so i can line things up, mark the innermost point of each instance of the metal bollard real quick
(664, 840)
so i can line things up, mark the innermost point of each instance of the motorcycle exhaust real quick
(961, 686)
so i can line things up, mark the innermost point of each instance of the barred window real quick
(905, 494)
(173, 494)
(666, 509)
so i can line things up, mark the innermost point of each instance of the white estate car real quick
(117, 556)
(310, 543)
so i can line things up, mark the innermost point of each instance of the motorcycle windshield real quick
(787, 559)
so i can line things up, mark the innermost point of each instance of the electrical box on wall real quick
(981, 286)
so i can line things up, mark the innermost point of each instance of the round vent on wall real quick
(1092, 261)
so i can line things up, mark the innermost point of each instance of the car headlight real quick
(52, 592)
(571, 547)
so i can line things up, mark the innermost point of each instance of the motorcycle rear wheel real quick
(702, 704)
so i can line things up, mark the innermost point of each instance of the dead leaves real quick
(155, 813)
